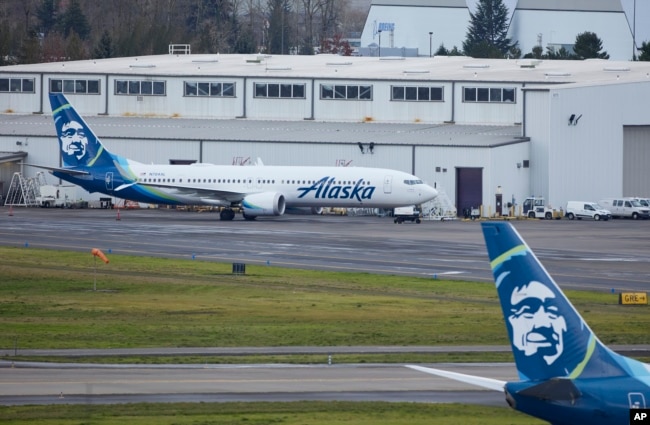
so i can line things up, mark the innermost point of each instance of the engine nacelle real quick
(266, 203)
(304, 210)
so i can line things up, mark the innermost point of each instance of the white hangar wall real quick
(17, 102)
(636, 157)
(560, 21)
(411, 22)
(585, 161)
(330, 155)
(501, 165)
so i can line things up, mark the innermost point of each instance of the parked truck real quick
(56, 196)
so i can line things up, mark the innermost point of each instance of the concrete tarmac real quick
(608, 256)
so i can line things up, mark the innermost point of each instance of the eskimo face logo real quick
(537, 326)
(74, 142)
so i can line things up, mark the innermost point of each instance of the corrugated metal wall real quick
(636, 161)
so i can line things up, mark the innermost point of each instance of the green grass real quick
(298, 413)
(47, 301)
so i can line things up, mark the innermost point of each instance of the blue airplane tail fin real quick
(80, 147)
(549, 338)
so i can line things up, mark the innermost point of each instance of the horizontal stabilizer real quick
(553, 389)
(69, 171)
(489, 383)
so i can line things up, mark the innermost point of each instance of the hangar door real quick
(636, 157)
(469, 189)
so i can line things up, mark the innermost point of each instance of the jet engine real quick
(265, 203)
(304, 210)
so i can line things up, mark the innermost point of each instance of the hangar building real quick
(564, 130)
(419, 27)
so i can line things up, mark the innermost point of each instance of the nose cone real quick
(428, 193)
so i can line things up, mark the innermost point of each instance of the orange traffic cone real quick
(118, 215)
(11, 210)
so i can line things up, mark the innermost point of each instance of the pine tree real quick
(74, 20)
(488, 29)
(589, 46)
(105, 48)
(279, 24)
(645, 51)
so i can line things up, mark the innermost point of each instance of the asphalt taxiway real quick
(34, 383)
(609, 256)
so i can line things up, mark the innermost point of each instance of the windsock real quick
(98, 253)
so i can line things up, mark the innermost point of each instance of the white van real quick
(581, 209)
(625, 207)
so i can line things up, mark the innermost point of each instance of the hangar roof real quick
(424, 3)
(573, 5)
(273, 131)
(439, 68)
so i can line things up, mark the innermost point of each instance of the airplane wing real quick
(69, 171)
(489, 383)
(188, 190)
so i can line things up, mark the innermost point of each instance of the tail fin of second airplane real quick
(79, 146)
(549, 337)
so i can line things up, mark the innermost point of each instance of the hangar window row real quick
(140, 87)
(264, 90)
(17, 85)
(74, 86)
(349, 92)
(209, 89)
(282, 91)
(489, 94)
(416, 93)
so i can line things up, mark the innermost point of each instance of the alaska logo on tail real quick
(79, 146)
(567, 376)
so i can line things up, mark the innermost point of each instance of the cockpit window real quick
(412, 182)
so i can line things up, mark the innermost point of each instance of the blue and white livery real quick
(567, 376)
(257, 190)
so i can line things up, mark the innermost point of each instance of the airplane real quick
(567, 376)
(257, 190)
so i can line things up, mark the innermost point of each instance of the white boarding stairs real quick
(439, 208)
(22, 191)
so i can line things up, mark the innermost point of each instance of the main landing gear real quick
(226, 214)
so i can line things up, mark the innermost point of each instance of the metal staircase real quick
(23, 192)
(439, 208)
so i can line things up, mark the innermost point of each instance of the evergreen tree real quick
(488, 29)
(279, 25)
(442, 51)
(31, 49)
(74, 20)
(104, 48)
(47, 15)
(589, 46)
(645, 51)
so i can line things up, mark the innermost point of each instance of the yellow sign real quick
(633, 298)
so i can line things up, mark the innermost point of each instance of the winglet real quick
(549, 338)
